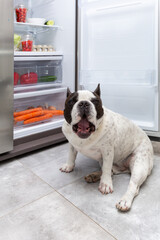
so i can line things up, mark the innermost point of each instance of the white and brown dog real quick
(113, 140)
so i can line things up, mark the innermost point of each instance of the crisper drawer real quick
(37, 71)
(43, 111)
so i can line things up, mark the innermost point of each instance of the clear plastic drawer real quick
(37, 71)
(31, 108)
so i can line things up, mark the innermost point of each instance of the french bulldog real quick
(108, 137)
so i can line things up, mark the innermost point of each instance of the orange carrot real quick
(54, 112)
(37, 119)
(29, 115)
(16, 114)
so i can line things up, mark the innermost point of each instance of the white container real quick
(36, 21)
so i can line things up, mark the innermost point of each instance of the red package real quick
(16, 78)
(29, 78)
(27, 45)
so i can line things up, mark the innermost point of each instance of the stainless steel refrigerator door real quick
(6, 75)
(118, 48)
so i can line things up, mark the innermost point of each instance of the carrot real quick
(16, 114)
(54, 112)
(37, 119)
(29, 115)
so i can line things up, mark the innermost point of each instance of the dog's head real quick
(83, 111)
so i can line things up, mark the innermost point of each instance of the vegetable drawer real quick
(37, 71)
(38, 111)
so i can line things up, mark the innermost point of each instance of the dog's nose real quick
(83, 104)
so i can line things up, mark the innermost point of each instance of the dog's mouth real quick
(84, 128)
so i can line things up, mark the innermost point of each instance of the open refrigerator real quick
(114, 43)
(40, 75)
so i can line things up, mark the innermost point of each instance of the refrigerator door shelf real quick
(38, 128)
(28, 54)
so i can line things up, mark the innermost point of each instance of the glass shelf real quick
(34, 28)
(21, 53)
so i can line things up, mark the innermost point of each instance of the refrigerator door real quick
(118, 48)
(6, 76)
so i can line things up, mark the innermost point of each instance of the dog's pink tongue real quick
(83, 125)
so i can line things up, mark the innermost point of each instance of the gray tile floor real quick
(38, 202)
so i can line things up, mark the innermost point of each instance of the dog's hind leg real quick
(141, 165)
(93, 177)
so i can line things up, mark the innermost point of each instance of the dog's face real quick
(83, 111)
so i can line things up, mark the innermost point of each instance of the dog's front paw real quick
(124, 205)
(67, 168)
(105, 187)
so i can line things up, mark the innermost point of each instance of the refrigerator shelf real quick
(34, 28)
(34, 87)
(39, 93)
(28, 54)
(37, 58)
(38, 128)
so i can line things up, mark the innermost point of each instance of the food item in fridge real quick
(20, 113)
(29, 115)
(47, 79)
(35, 115)
(21, 13)
(50, 23)
(27, 42)
(39, 48)
(27, 45)
(16, 78)
(45, 48)
(37, 119)
(51, 48)
(54, 112)
(17, 41)
(29, 78)
(51, 108)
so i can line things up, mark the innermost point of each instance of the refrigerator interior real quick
(42, 76)
(63, 38)
(118, 48)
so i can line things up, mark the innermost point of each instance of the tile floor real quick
(38, 202)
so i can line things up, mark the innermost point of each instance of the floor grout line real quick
(16, 209)
(57, 191)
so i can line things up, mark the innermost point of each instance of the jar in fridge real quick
(21, 12)
(27, 42)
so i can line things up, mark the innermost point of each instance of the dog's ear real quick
(97, 90)
(68, 92)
